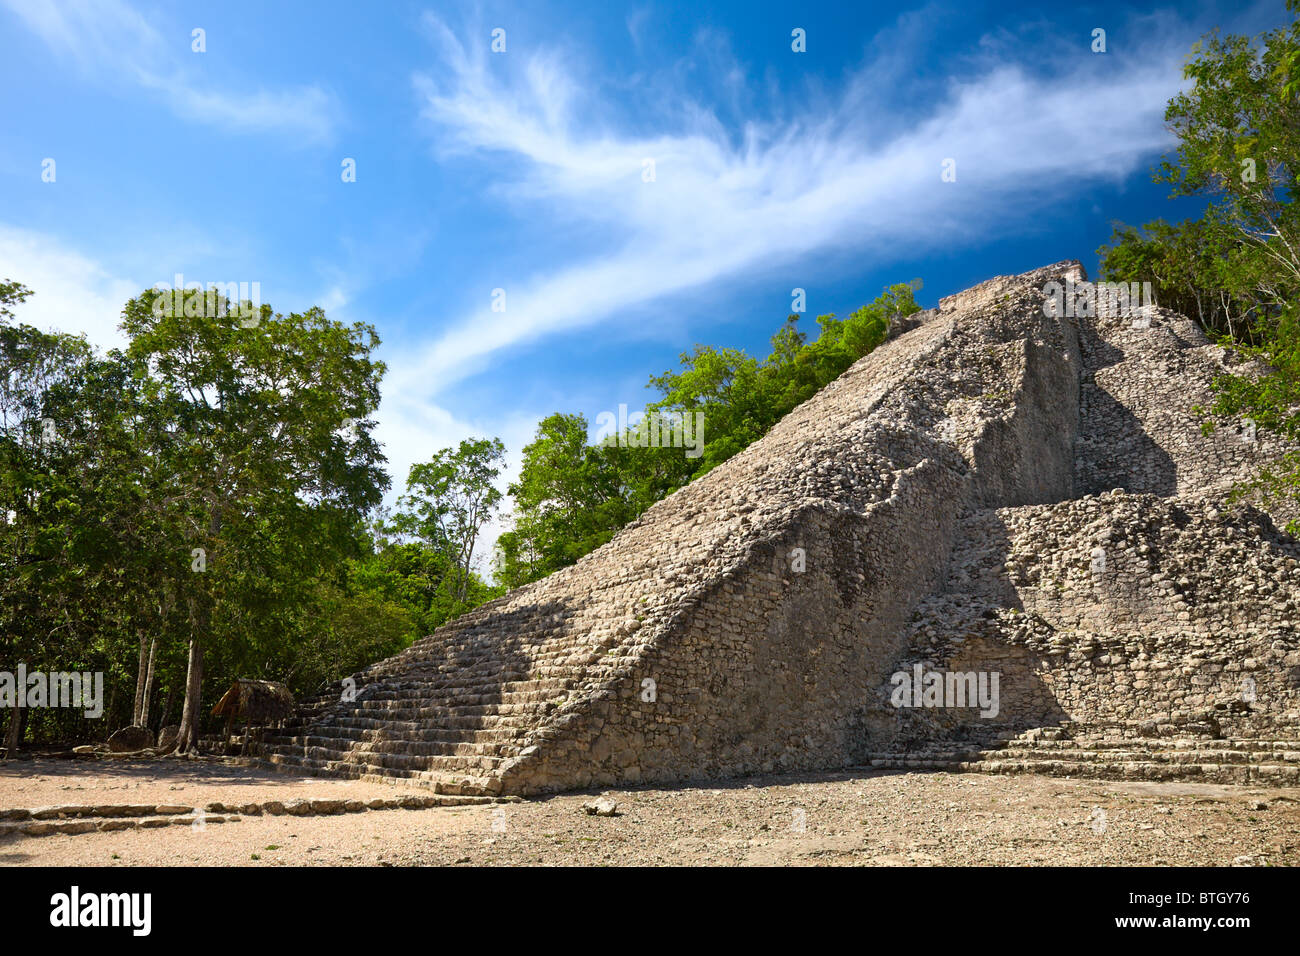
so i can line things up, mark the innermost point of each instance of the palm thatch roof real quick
(258, 701)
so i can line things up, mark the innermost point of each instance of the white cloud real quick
(109, 39)
(71, 292)
(636, 22)
(724, 205)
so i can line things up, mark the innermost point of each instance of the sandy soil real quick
(45, 782)
(889, 819)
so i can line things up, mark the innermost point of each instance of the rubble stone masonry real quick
(994, 489)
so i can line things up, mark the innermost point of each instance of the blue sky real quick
(523, 171)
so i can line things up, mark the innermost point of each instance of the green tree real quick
(246, 439)
(1202, 268)
(572, 497)
(38, 371)
(741, 398)
(568, 500)
(448, 501)
(1237, 269)
(260, 460)
(71, 552)
(420, 579)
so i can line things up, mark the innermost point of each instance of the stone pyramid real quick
(995, 490)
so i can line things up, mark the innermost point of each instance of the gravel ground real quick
(883, 819)
(44, 782)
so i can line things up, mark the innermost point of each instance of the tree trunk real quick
(143, 719)
(136, 719)
(464, 568)
(188, 738)
(167, 706)
(14, 738)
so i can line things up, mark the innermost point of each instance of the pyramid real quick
(996, 490)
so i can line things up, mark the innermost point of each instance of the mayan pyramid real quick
(995, 489)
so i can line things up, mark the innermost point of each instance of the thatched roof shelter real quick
(255, 701)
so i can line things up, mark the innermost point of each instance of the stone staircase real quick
(444, 718)
(1258, 762)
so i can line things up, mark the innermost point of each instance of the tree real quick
(197, 508)
(420, 579)
(741, 398)
(1237, 269)
(572, 497)
(448, 501)
(260, 460)
(1238, 130)
(45, 548)
(1202, 268)
(569, 499)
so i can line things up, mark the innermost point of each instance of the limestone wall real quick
(768, 668)
(949, 494)
(1146, 604)
(1189, 623)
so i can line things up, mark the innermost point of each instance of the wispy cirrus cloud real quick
(110, 40)
(859, 173)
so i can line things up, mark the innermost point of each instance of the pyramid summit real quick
(1003, 496)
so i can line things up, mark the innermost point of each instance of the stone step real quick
(400, 727)
(452, 737)
(444, 752)
(420, 709)
(434, 718)
(441, 783)
(497, 690)
(1116, 755)
(446, 713)
(398, 760)
(451, 693)
(443, 660)
(412, 707)
(1264, 774)
(1291, 747)
(453, 672)
(543, 666)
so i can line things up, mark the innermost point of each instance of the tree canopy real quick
(573, 495)
(1237, 267)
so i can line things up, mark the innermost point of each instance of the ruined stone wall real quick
(1141, 430)
(1190, 622)
(774, 669)
(948, 496)
(1146, 603)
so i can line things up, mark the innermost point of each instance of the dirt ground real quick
(877, 819)
(46, 782)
